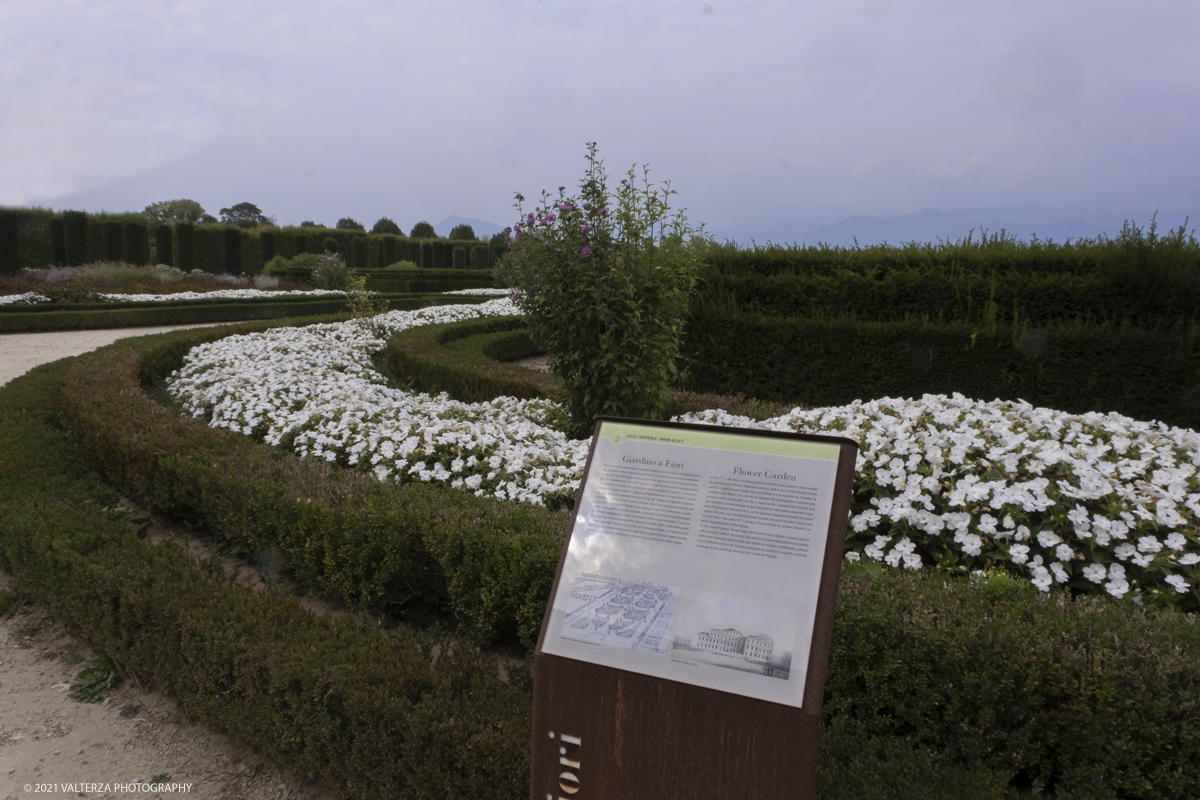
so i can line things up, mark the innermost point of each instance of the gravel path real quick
(21, 352)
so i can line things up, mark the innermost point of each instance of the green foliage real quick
(832, 361)
(407, 714)
(308, 223)
(331, 245)
(365, 306)
(233, 251)
(331, 273)
(183, 245)
(606, 289)
(75, 225)
(385, 225)
(94, 680)
(163, 244)
(462, 232)
(358, 252)
(408, 265)
(114, 240)
(422, 230)
(245, 215)
(171, 211)
(348, 224)
(70, 291)
(461, 257)
(10, 244)
(278, 264)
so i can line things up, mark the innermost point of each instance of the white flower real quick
(1124, 550)
(1189, 559)
(972, 544)
(1041, 578)
(1019, 553)
(1178, 582)
(1148, 544)
(1022, 533)
(1117, 587)
(1048, 538)
(1094, 573)
(987, 524)
(852, 557)
(1064, 552)
(867, 519)
(1175, 541)
(1060, 574)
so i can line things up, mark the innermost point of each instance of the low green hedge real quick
(381, 547)
(937, 687)
(825, 362)
(404, 715)
(54, 317)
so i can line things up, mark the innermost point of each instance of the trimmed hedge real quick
(163, 253)
(379, 546)
(405, 715)
(820, 362)
(75, 229)
(938, 687)
(53, 317)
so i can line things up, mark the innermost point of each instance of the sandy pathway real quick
(21, 352)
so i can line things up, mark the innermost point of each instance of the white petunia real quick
(1178, 582)
(1094, 573)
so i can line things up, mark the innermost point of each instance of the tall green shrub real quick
(267, 241)
(233, 250)
(137, 244)
(358, 252)
(479, 259)
(183, 245)
(441, 254)
(75, 238)
(460, 257)
(162, 244)
(210, 248)
(10, 245)
(426, 255)
(57, 242)
(604, 282)
(114, 240)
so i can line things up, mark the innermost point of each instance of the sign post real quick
(684, 650)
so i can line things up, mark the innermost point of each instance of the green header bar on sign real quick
(617, 432)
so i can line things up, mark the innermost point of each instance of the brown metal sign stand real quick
(663, 669)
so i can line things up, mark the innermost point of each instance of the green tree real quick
(207, 218)
(308, 223)
(245, 215)
(422, 230)
(348, 224)
(499, 240)
(172, 211)
(385, 225)
(463, 231)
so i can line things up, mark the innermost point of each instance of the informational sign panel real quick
(701, 566)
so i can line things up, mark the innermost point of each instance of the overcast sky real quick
(769, 118)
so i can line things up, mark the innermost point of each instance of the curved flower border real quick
(1089, 503)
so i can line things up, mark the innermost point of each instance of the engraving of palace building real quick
(732, 642)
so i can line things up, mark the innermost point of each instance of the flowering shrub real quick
(331, 272)
(604, 282)
(1094, 503)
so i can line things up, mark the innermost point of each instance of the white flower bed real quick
(481, 292)
(1095, 501)
(220, 294)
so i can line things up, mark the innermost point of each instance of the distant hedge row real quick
(1136, 250)
(37, 238)
(1076, 368)
(1147, 299)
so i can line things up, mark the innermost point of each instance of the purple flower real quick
(585, 229)
(604, 211)
(513, 297)
(565, 206)
(587, 251)
(509, 230)
(586, 206)
(537, 276)
(551, 217)
(545, 244)
(510, 244)
(562, 188)
(529, 216)
(518, 235)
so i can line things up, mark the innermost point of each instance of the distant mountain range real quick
(1023, 222)
(483, 229)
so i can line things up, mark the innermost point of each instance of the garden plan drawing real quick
(634, 615)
